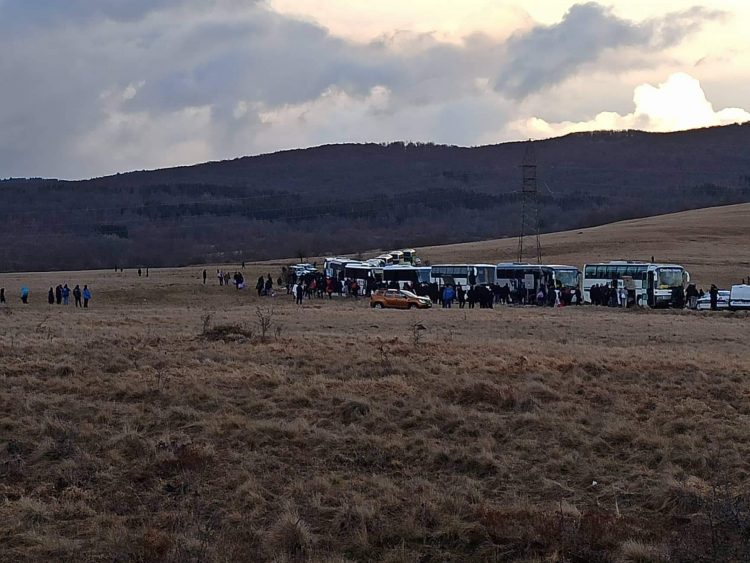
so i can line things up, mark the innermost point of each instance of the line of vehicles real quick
(649, 284)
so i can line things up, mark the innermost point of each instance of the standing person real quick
(77, 295)
(2, 295)
(139, 272)
(714, 293)
(86, 296)
(260, 285)
(24, 295)
(447, 297)
(299, 293)
(269, 285)
(220, 275)
(51, 296)
(66, 294)
(146, 271)
(204, 277)
(58, 294)
(461, 296)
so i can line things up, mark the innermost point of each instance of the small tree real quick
(265, 319)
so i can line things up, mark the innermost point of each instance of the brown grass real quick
(136, 430)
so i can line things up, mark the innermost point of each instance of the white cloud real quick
(89, 89)
(677, 104)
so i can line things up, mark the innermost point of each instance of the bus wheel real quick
(378, 305)
(411, 305)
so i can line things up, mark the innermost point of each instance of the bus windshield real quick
(568, 278)
(669, 277)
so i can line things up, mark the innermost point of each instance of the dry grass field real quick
(162, 425)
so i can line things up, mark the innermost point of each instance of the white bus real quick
(534, 276)
(403, 273)
(334, 267)
(655, 284)
(362, 272)
(465, 275)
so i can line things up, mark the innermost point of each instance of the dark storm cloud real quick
(547, 55)
(50, 11)
(89, 85)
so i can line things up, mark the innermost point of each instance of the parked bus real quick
(384, 259)
(410, 256)
(334, 267)
(465, 275)
(534, 276)
(655, 284)
(401, 273)
(362, 272)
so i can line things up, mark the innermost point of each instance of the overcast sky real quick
(93, 87)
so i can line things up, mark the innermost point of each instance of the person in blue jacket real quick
(86, 296)
(448, 296)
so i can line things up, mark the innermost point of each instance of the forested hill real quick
(347, 198)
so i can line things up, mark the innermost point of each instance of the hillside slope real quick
(713, 243)
(343, 198)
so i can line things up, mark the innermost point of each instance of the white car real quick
(722, 302)
(739, 298)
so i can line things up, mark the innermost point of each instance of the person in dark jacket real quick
(461, 294)
(714, 293)
(77, 295)
(2, 295)
(51, 296)
(58, 294)
(299, 293)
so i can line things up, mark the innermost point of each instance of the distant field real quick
(159, 425)
(713, 244)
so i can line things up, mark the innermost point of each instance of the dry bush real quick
(290, 536)
(265, 319)
(635, 551)
(228, 333)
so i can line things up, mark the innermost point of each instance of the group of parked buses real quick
(653, 284)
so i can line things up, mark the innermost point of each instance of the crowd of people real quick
(318, 285)
(264, 286)
(59, 295)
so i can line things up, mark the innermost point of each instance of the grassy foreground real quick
(160, 425)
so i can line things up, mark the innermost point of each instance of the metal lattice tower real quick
(529, 203)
